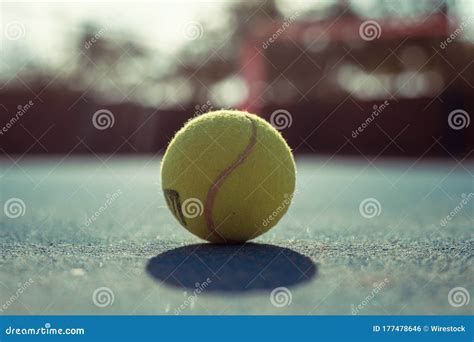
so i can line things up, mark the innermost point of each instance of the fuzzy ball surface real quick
(228, 176)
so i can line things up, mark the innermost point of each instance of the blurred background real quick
(361, 77)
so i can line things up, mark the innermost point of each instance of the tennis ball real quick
(228, 176)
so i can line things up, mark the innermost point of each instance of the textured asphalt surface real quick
(134, 258)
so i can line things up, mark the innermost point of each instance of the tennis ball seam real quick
(214, 189)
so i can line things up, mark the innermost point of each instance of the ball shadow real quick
(234, 268)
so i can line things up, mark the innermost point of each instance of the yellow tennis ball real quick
(228, 176)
